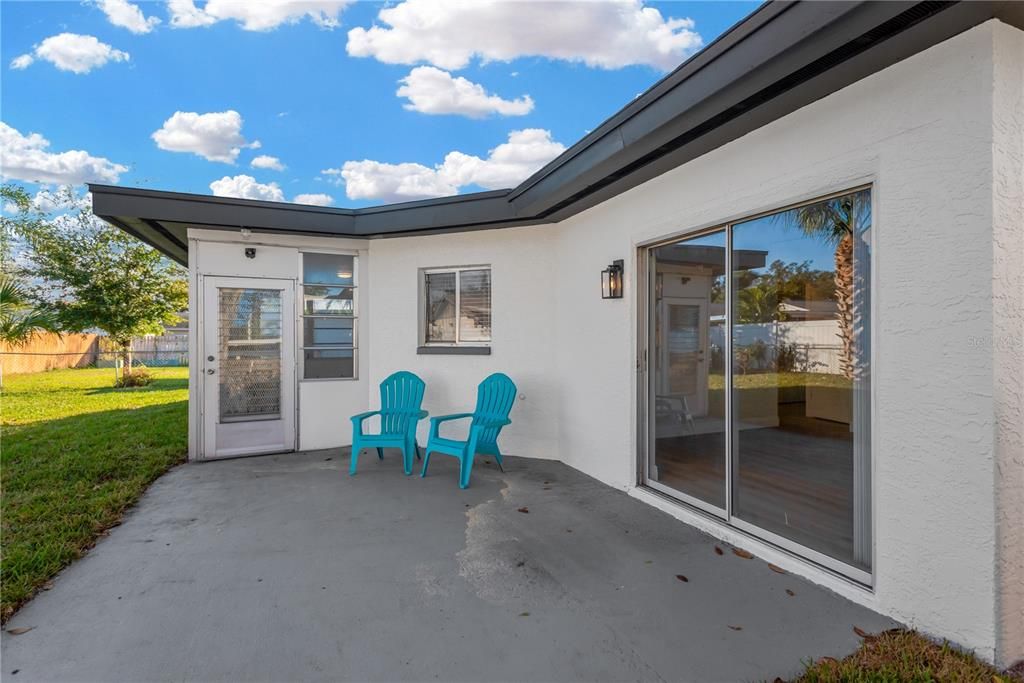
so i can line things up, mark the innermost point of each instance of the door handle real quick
(210, 371)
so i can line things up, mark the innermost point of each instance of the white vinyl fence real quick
(816, 342)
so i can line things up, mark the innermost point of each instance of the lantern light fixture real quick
(611, 280)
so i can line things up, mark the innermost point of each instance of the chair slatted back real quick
(494, 399)
(401, 394)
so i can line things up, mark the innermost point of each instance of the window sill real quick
(453, 350)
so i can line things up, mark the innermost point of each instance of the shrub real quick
(137, 378)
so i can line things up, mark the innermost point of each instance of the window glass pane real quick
(475, 305)
(439, 317)
(330, 331)
(801, 373)
(688, 368)
(328, 269)
(328, 363)
(323, 300)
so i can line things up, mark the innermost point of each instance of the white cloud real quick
(511, 162)
(256, 15)
(433, 91)
(450, 33)
(126, 15)
(22, 61)
(318, 199)
(268, 162)
(246, 187)
(24, 157)
(71, 52)
(185, 14)
(216, 136)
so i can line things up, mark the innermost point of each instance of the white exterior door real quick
(684, 370)
(248, 366)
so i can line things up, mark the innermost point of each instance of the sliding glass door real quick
(759, 382)
(687, 378)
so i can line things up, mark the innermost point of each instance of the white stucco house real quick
(779, 296)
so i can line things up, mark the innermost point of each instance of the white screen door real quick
(684, 363)
(248, 366)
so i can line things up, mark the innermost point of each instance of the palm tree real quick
(20, 320)
(834, 221)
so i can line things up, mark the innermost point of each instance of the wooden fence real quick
(50, 352)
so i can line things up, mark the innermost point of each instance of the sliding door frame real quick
(646, 282)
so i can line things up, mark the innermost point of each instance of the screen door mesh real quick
(250, 354)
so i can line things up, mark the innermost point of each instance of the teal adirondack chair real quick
(494, 398)
(400, 397)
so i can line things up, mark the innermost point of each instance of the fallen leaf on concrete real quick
(862, 633)
(775, 568)
(18, 631)
(740, 552)
(524, 510)
(718, 551)
(790, 593)
(682, 578)
(524, 614)
(735, 628)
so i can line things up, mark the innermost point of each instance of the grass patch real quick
(76, 453)
(781, 380)
(903, 657)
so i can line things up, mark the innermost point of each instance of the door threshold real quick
(852, 587)
(251, 454)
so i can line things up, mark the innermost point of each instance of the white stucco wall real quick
(1008, 332)
(922, 132)
(523, 266)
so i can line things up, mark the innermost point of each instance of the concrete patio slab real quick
(282, 568)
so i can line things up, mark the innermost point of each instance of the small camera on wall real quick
(250, 252)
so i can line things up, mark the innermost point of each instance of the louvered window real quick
(456, 306)
(329, 339)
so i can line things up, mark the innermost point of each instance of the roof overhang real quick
(780, 58)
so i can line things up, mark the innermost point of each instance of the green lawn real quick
(75, 453)
(781, 380)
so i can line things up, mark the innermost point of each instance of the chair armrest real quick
(362, 416)
(444, 418)
(487, 424)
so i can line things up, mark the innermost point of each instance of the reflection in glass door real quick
(779, 350)
(687, 378)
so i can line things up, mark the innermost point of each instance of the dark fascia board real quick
(780, 58)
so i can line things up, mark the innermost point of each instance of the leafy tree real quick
(93, 275)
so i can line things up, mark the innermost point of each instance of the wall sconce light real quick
(611, 281)
(250, 252)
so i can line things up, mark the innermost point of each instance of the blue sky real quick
(318, 92)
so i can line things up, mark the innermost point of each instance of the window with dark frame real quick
(456, 306)
(328, 316)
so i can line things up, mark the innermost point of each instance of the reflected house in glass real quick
(816, 354)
